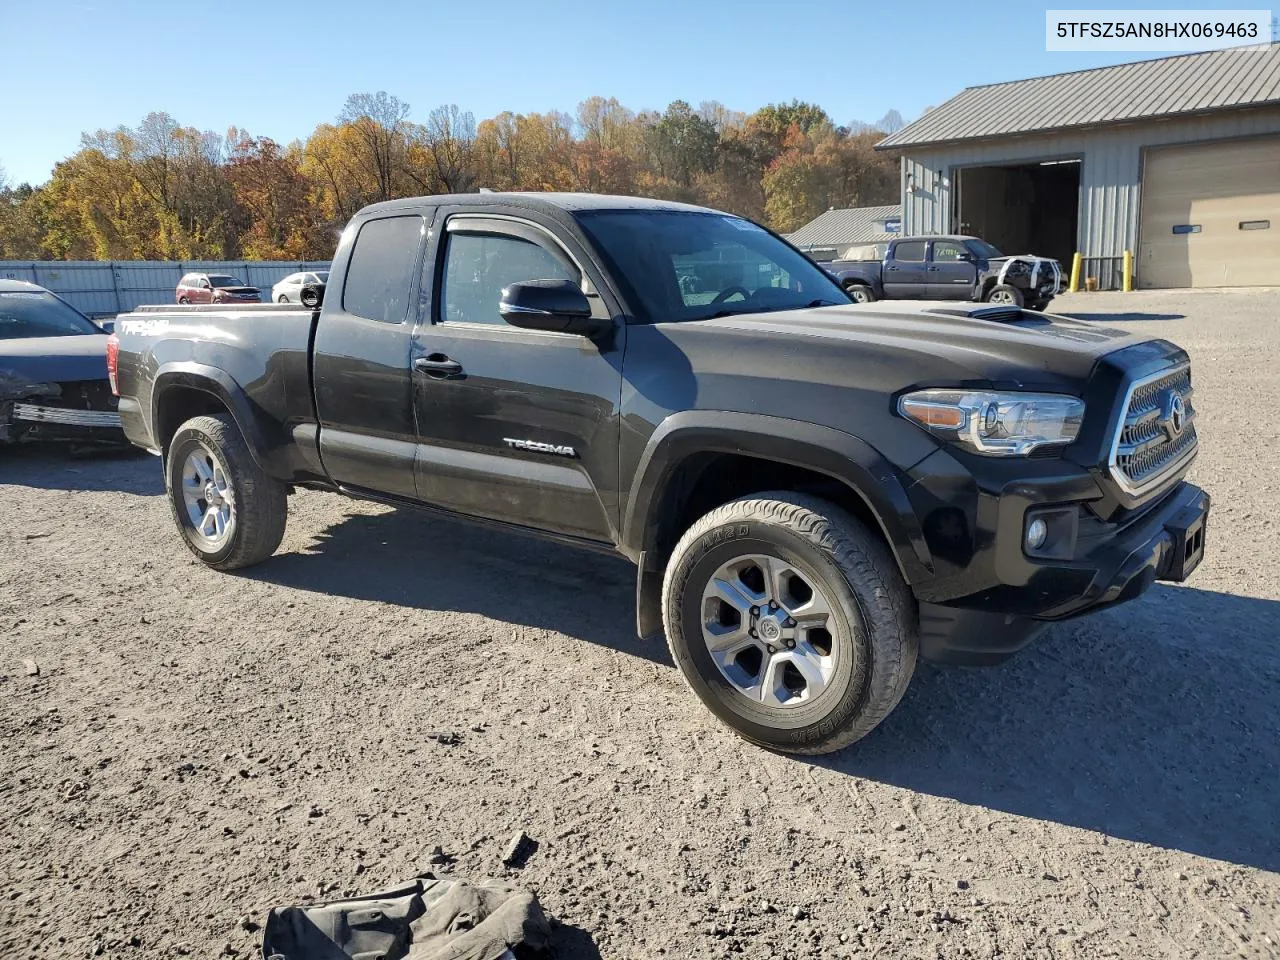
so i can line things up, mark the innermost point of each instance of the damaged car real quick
(950, 268)
(53, 371)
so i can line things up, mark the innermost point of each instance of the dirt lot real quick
(198, 747)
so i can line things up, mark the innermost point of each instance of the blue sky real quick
(278, 68)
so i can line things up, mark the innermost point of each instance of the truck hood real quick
(1005, 347)
(53, 359)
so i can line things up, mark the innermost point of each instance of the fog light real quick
(1037, 534)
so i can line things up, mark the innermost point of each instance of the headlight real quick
(996, 424)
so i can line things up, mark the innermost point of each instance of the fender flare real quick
(219, 384)
(839, 455)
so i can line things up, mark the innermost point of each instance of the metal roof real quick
(1170, 86)
(844, 227)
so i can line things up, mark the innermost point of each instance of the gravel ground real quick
(197, 746)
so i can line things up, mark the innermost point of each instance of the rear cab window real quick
(381, 267)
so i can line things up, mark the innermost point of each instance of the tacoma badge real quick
(559, 450)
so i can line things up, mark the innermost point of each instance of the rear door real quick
(951, 273)
(904, 269)
(514, 425)
(361, 366)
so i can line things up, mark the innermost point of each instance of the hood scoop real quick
(994, 314)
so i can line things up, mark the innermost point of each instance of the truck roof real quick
(20, 286)
(546, 201)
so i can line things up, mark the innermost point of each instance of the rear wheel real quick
(1005, 295)
(184, 300)
(790, 621)
(860, 293)
(230, 512)
(282, 299)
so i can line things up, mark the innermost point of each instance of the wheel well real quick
(855, 282)
(706, 481)
(178, 405)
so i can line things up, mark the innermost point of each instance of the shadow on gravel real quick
(124, 469)
(413, 560)
(1124, 317)
(1158, 722)
(572, 943)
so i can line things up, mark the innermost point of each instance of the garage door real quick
(1211, 215)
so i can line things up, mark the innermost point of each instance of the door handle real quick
(933, 269)
(891, 269)
(438, 366)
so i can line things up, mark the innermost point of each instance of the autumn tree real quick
(163, 190)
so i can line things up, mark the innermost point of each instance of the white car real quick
(289, 289)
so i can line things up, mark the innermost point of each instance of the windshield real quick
(983, 250)
(217, 281)
(694, 266)
(40, 314)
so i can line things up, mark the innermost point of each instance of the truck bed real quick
(263, 348)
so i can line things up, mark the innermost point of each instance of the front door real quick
(363, 382)
(514, 425)
(951, 274)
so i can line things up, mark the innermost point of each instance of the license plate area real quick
(1188, 534)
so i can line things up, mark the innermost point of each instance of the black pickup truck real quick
(950, 268)
(813, 492)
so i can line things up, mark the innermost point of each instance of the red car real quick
(215, 288)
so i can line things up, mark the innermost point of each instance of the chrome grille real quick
(1157, 431)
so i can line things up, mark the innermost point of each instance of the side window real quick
(381, 267)
(478, 265)
(948, 252)
(911, 250)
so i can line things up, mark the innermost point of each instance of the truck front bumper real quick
(1164, 543)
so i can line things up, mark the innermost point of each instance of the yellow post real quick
(1128, 271)
(1075, 274)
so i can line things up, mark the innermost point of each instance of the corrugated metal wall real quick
(104, 288)
(1110, 173)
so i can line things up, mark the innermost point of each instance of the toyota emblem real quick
(1175, 415)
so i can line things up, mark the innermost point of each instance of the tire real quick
(871, 631)
(860, 293)
(256, 510)
(282, 299)
(184, 300)
(1003, 293)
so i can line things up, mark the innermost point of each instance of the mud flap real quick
(648, 600)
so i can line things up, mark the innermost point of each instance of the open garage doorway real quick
(1021, 208)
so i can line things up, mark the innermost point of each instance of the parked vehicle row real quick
(950, 268)
(814, 492)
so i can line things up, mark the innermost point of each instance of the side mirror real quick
(558, 305)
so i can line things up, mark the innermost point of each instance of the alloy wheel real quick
(208, 497)
(767, 625)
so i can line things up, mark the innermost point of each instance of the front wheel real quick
(1004, 294)
(860, 293)
(230, 512)
(788, 618)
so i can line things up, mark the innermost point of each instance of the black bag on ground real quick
(424, 919)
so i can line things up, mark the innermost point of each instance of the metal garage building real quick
(1176, 159)
(842, 232)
